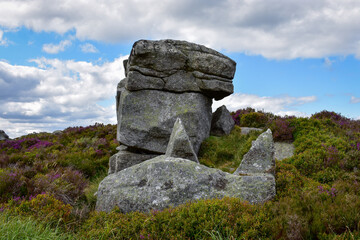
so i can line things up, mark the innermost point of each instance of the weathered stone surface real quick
(146, 118)
(165, 181)
(124, 159)
(260, 158)
(137, 81)
(221, 123)
(179, 144)
(182, 66)
(3, 135)
(247, 130)
(283, 150)
(120, 88)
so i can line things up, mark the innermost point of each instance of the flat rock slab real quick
(164, 181)
(284, 150)
(146, 118)
(179, 66)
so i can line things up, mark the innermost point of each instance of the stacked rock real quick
(166, 80)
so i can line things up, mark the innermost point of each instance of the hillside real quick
(52, 178)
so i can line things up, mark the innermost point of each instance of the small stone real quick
(222, 123)
(179, 144)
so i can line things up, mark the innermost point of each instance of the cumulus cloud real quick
(284, 105)
(354, 99)
(275, 29)
(88, 48)
(56, 48)
(56, 94)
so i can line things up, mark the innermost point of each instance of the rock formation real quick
(3, 135)
(260, 157)
(221, 123)
(165, 181)
(166, 80)
(164, 108)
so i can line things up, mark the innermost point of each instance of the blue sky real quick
(60, 62)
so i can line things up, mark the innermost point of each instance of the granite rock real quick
(164, 181)
(260, 158)
(221, 123)
(146, 118)
(179, 66)
(179, 144)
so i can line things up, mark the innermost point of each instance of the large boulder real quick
(260, 157)
(3, 135)
(147, 117)
(179, 66)
(179, 145)
(221, 123)
(165, 181)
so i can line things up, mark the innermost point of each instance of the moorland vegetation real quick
(48, 181)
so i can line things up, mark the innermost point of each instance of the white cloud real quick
(275, 29)
(354, 99)
(56, 94)
(285, 105)
(54, 49)
(88, 48)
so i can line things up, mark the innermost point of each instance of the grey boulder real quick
(146, 118)
(164, 181)
(221, 123)
(3, 135)
(179, 144)
(260, 158)
(179, 66)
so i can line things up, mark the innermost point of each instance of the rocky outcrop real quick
(260, 157)
(222, 123)
(166, 80)
(165, 181)
(3, 135)
(179, 145)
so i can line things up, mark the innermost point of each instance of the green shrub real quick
(254, 119)
(42, 207)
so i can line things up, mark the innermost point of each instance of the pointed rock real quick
(179, 145)
(222, 123)
(260, 158)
